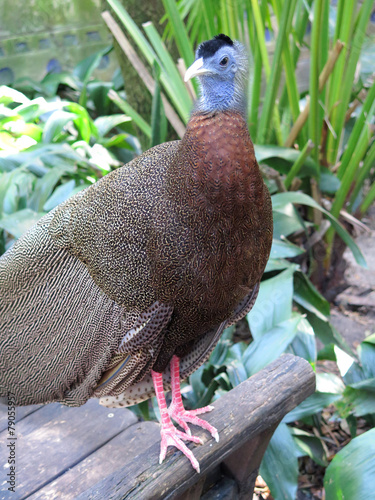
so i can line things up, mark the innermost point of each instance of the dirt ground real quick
(353, 313)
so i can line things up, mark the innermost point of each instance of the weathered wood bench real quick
(94, 452)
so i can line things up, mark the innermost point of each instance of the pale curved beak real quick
(196, 69)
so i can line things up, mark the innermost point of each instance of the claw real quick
(170, 436)
(173, 437)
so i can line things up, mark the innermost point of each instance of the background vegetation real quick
(317, 150)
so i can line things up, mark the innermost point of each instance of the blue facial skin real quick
(224, 87)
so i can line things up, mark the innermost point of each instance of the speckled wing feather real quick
(119, 393)
(58, 330)
(62, 321)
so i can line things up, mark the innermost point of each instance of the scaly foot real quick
(170, 436)
(177, 410)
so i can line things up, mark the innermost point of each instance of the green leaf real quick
(44, 186)
(105, 124)
(9, 95)
(360, 401)
(309, 445)
(282, 158)
(281, 199)
(158, 119)
(277, 265)
(366, 351)
(326, 332)
(284, 249)
(329, 183)
(270, 345)
(85, 68)
(19, 222)
(285, 224)
(279, 467)
(351, 475)
(304, 343)
(60, 194)
(274, 303)
(313, 404)
(236, 372)
(55, 125)
(308, 296)
(82, 121)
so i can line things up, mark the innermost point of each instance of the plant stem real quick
(296, 167)
(323, 77)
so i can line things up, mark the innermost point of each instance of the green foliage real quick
(51, 148)
(351, 472)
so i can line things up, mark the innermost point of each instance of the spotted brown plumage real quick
(146, 266)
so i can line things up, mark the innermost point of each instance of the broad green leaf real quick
(82, 121)
(44, 186)
(84, 70)
(282, 158)
(34, 109)
(367, 383)
(366, 351)
(60, 194)
(55, 125)
(9, 95)
(270, 345)
(51, 82)
(277, 265)
(313, 404)
(326, 332)
(328, 182)
(285, 224)
(350, 475)
(19, 222)
(304, 343)
(360, 401)
(280, 200)
(308, 296)
(279, 467)
(105, 124)
(284, 249)
(117, 141)
(236, 372)
(274, 303)
(310, 446)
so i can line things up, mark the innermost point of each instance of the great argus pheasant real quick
(125, 288)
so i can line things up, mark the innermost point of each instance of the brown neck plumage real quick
(220, 173)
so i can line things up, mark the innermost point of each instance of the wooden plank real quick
(244, 463)
(116, 453)
(21, 412)
(253, 407)
(55, 438)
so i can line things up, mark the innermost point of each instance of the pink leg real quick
(170, 436)
(177, 410)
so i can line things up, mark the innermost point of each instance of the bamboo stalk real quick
(323, 77)
(142, 71)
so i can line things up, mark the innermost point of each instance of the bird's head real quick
(222, 68)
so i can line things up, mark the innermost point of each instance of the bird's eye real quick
(224, 61)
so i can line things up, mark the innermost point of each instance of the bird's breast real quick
(215, 225)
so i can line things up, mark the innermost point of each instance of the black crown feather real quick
(208, 49)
